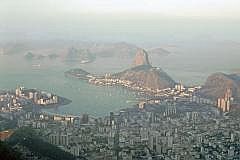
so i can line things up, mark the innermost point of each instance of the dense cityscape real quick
(119, 80)
(169, 122)
(179, 126)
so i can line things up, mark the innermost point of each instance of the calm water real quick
(86, 98)
(189, 64)
(198, 48)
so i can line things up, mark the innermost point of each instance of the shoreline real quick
(89, 78)
(31, 99)
(63, 102)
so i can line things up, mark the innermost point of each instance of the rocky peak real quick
(141, 58)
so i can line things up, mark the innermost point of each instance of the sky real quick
(121, 20)
(185, 8)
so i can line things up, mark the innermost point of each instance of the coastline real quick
(62, 102)
(30, 100)
(93, 80)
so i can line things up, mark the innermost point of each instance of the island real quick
(80, 55)
(78, 73)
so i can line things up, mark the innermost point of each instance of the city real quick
(175, 127)
(119, 80)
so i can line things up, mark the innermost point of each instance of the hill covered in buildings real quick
(144, 74)
(217, 84)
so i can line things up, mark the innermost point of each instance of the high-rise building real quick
(179, 87)
(84, 119)
(35, 97)
(224, 103)
(59, 139)
(31, 95)
(19, 91)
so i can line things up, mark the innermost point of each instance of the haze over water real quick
(96, 100)
(85, 98)
(200, 43)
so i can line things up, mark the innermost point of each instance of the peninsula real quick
(23, 98)
(141, 77)
(220, 90)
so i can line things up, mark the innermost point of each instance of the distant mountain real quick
(120, 49)
(53, 56)
(29, 56)
(81, 55)
(87, 52)
(158, 51)
(217, 84)
(40, 57)
(14, 48)
(141, 58)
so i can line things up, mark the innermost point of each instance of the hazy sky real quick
(122, 20)
(212, 8)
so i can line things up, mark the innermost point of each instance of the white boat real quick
(36, 65)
